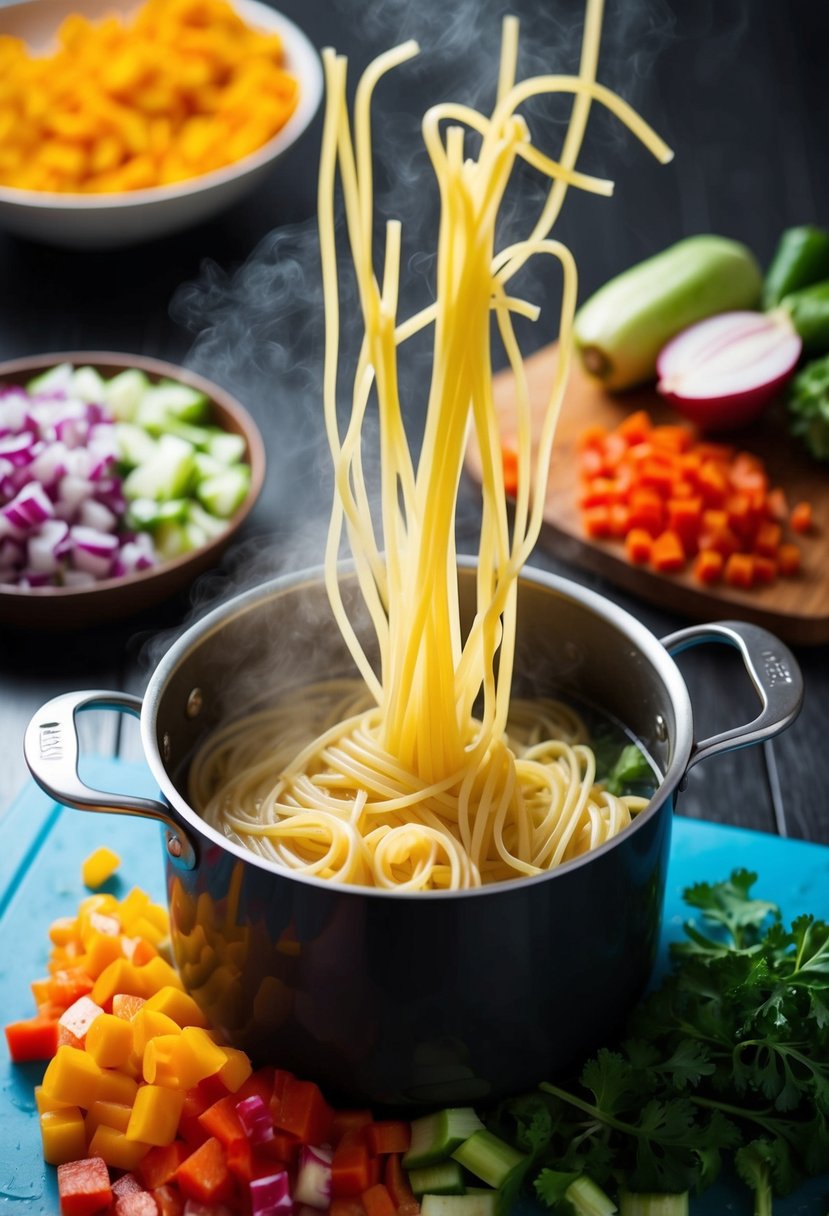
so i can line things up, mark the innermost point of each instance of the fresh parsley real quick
(727, 1061)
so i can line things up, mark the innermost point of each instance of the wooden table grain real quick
(740, 91)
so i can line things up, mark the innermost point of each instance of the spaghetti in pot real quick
(428, 783)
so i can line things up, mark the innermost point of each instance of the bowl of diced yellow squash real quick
(126, 120)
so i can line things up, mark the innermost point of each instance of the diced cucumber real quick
(145, 514)
(135, 446)
(209, 524)
(226, 446)
(222, 494)
(87, 385)
(487, 1157)
(56, 379)
(199, 436)
(177, 401)
(483, 1203)
(168, 474)
(435, 1137)
(206, 466)
(124, 392)
(172, 539)
(444, 1178)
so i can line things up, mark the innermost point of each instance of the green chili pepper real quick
(801, 258)
(809, 312)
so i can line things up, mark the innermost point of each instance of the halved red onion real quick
(722, 372)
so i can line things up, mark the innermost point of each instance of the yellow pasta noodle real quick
(437, 779)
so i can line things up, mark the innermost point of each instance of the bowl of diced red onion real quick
(121, 478)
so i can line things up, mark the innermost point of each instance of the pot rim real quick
(642, 638)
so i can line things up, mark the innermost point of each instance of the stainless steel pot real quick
(429, 998)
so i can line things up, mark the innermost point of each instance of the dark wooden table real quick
(740, 91)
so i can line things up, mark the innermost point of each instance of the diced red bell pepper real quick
(259, 1084)
(302, 1112)
(135, 1203)
(239, 1156)
(160, 1164)
(169, 1201)
(32, 1039)
(345, 1121)
(83, 1187)
(398, 1187)
(351, 1172)
(346, 1207)
(204, 1174)
(220, 1120)
(389, 1136)
(378, 1202)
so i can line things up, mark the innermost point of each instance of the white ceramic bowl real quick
(88, 221)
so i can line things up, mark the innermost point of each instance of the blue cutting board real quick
(42, 846)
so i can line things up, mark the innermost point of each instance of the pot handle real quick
(774, 672)
(52, 751)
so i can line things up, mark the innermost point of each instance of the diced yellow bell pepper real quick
(119, 976)
(155, 1115)
(101, 950)
(236, 1070)
(178, 1006)
(43, 1102)
(132, 906)
(148, 1023)
(109, 1041)
(111, 1114)
(99, 866)
(158, 973)
(63, 930)
(116, 1149)
(116, 1085)
(63, 1134)
(72, 1076)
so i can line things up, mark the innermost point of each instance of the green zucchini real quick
(621, 329)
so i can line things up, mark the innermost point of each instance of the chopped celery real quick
(487, 1157)
(588, 1199)
(434, 1137)
(482, 1203)
(632, 1204)
(443, 1178)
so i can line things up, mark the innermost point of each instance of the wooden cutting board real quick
(797, 608)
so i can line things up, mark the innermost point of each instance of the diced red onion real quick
(255, 1118)
(94, 514)
(17, 449)
(271, 1195)
(30, 507)
(313, 1180)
